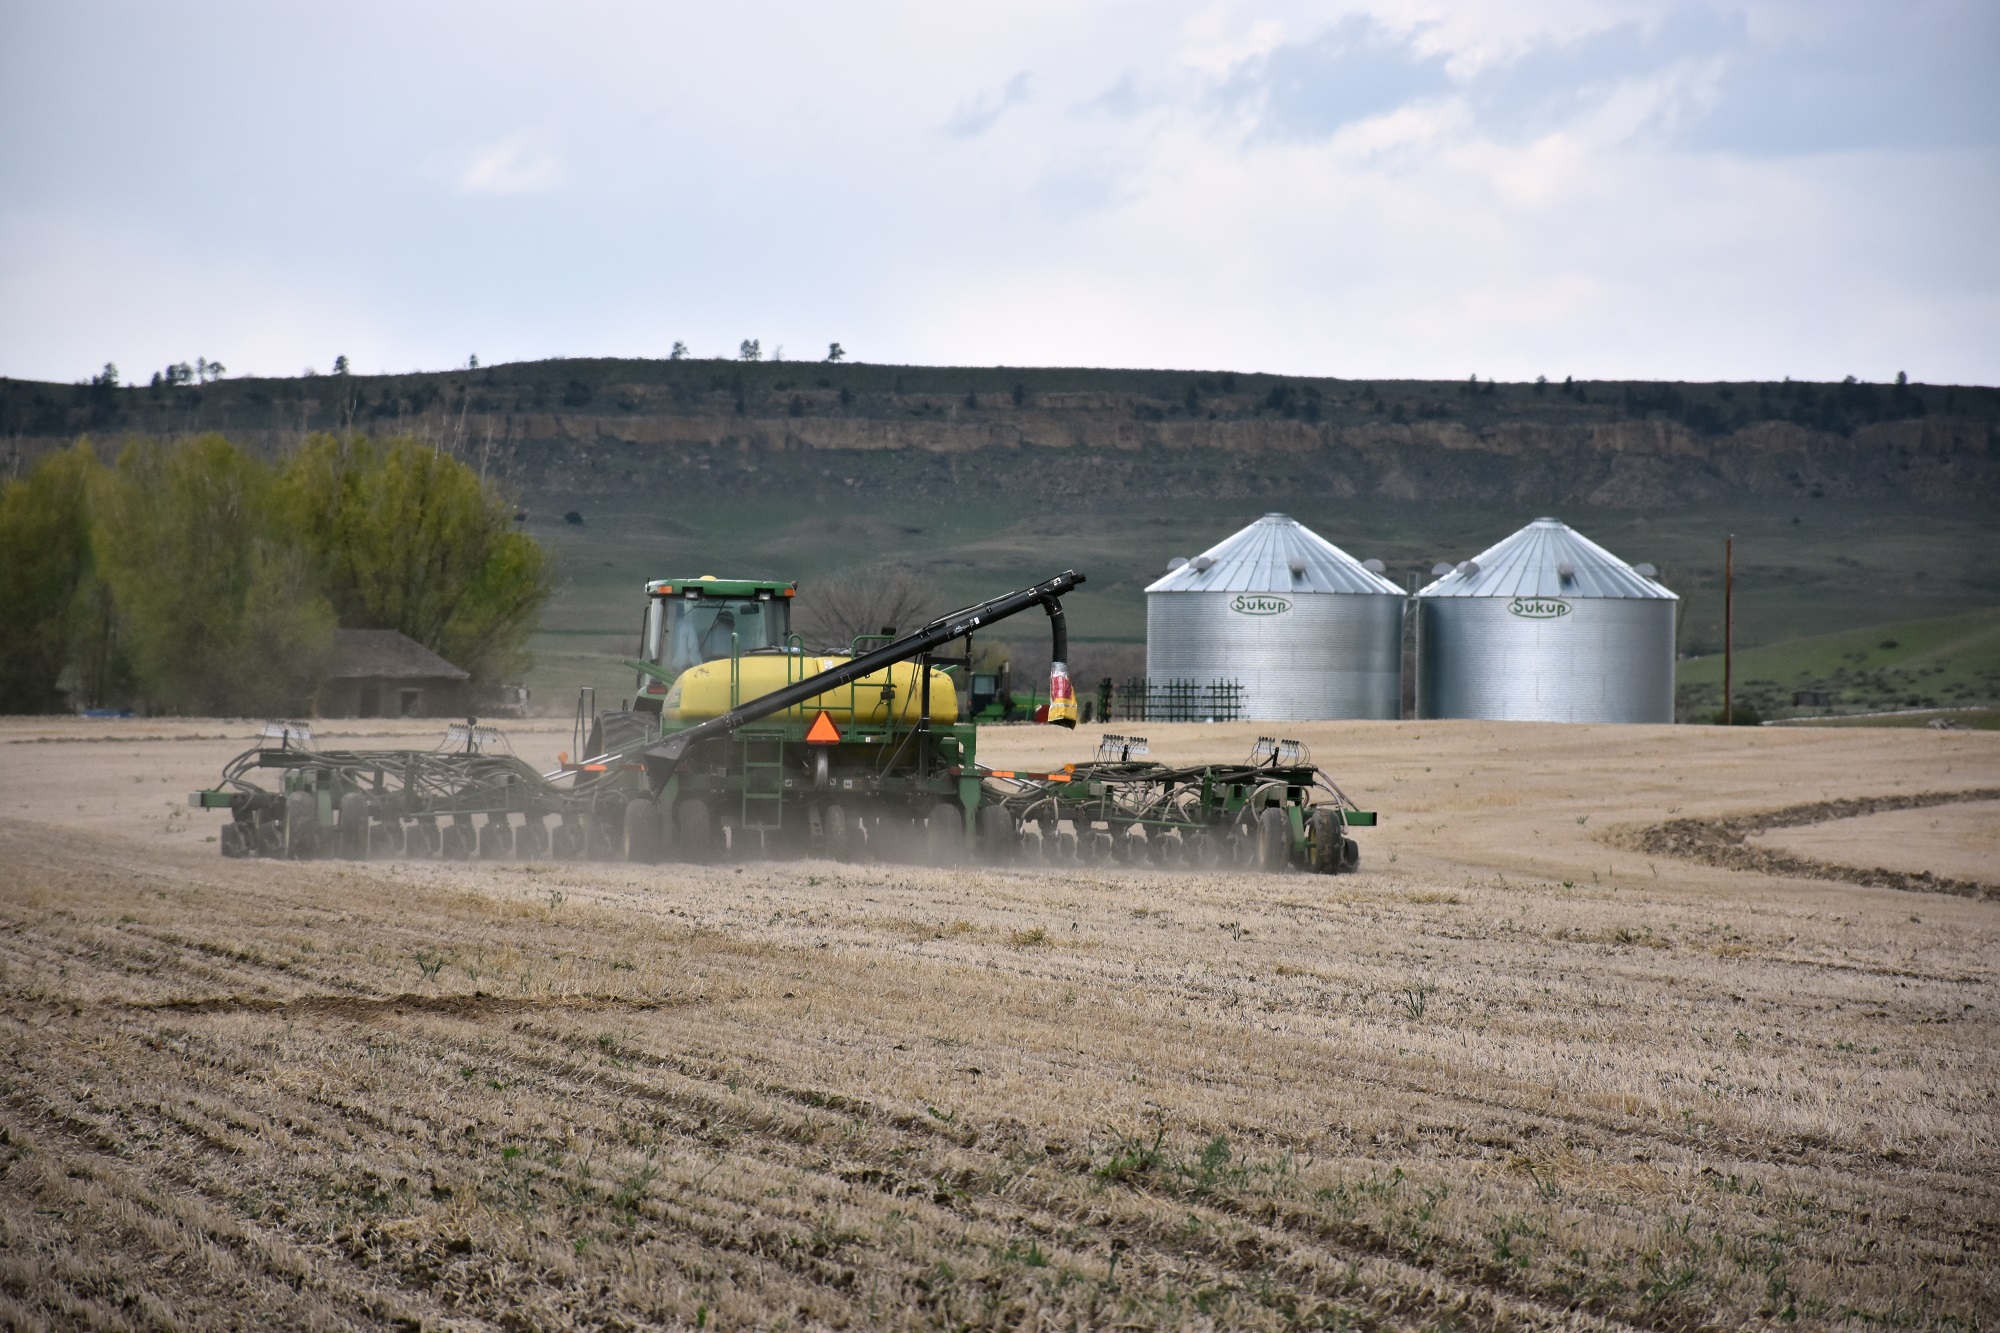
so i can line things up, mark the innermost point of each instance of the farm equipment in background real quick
(766, 749)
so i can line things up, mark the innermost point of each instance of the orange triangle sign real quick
(822, 731)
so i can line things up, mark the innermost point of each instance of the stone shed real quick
(386, 673)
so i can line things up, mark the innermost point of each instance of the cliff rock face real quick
(1078, 435)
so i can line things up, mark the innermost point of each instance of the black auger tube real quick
(1058, 629)
(664, 756)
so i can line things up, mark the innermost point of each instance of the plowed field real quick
(1509, 1075)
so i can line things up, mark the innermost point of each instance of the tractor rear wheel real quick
(999, 844)
(642, 832)
(697, 829)
(1274, 840)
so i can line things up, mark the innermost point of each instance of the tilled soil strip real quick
(1720, 842)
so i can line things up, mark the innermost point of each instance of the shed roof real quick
(387, 652)
(1276, 554)
(1545, 559)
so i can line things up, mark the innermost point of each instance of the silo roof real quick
(1276, 554)
(1545, 559)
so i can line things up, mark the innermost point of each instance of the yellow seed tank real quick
(703, 691)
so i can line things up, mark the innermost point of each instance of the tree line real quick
(197, 577)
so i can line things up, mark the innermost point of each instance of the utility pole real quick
(1728, 628)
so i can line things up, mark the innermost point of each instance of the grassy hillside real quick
(1853, 504)
(1952, 661)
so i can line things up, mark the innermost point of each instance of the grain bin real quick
(1546, 626)
(1308, 630)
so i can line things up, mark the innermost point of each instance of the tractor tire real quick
(1274, 840)
(301, 825)
(350, 835)
(697, 830)
(1328, 841)
(618, 729)
(999, 843)
(642, 832)
(234, 843)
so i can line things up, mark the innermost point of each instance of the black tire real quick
(1350, 855)
(234, 841)
(837, 833)
(605, 827)
(1065, 846)
(1328, 840)
(696, 828)
(642, 832)
(566, 839)
(618, 729)
(1202, 850)
(1274, 840)
(944, 836)
(999, 844)
(533, 840)
(423, 838)
(350, 835)
(301, 825)
(1033, 844)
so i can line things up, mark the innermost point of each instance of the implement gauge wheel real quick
(1329, 841)
(642, 831)
(350, 838)
(697, 830)
(1274, 840)
(999, 844)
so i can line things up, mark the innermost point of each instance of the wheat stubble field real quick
(1511, 1075)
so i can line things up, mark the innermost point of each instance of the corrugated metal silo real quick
(1546, 626)
(1309, 631)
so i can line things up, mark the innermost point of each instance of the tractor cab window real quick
(698, 630)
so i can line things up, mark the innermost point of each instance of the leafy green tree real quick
(404, 537)
(751, 350)
(47, 580)
(835, 352)
(217, 612)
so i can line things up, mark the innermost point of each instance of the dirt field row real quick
(1508, 1076)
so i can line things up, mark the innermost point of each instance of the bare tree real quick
(865, 601)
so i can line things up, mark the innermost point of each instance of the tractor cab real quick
(691, 621)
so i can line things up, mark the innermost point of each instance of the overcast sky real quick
(1675, 191)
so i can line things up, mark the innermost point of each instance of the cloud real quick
(514, 165)
(982, 113)
(1353, 70)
